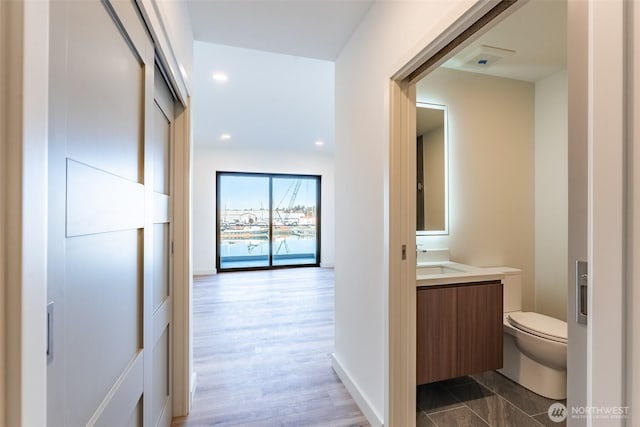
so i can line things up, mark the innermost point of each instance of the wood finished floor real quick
(262, 345)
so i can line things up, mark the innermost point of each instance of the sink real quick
(438, 269)
(450, 272)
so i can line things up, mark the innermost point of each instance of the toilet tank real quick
(512, 289)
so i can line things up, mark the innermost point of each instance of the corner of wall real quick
(358, 396)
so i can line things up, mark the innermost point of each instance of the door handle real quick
(582, 288)
(50, 332)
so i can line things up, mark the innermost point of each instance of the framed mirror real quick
(432, 213)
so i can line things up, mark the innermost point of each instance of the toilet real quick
(534, 345)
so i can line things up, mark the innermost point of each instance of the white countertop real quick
(466, 274)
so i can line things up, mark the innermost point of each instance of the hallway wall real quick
(391, 35)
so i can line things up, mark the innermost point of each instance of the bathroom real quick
(507, 154)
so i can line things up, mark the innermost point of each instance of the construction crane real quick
(295, 185)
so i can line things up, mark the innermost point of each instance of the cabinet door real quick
(437, 325)
(479, 328)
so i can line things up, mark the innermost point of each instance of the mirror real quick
(432, 175)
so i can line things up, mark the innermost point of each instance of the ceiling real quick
(537, 35)
(309, 28)
(269, 100)
(278, 56)
(278, 97)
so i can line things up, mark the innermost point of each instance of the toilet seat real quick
(539, 325)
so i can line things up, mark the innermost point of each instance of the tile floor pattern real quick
(487, 399)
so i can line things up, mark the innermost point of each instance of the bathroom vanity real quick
(459, 321)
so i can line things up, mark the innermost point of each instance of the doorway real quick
(596, 120)
(266, 221)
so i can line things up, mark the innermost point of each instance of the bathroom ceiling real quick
(536, 32)
(309, 28)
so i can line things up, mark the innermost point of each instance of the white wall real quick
(491, 170)
(389, 36)
(551, 195)
(209, 160)
(177, 21)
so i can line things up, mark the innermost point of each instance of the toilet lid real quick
(540, 325)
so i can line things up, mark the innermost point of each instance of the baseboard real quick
(204, 272)
(362, 402)
(326, 265)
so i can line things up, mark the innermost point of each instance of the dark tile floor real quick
(487, 399)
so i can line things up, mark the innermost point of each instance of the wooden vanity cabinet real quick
(459, 330)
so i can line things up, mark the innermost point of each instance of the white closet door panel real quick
(123, 400)
(161, 141)
(103, 319)
(160, 391)
(161, 243)
(161, 208)
(159, 154)
(161, 319)
(102, 251)
(135, 420)
(98, 202)
(105, 100)
(163, 96)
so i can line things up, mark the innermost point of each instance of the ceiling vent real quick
(485, 56)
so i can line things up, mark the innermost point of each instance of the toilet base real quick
(540, 379)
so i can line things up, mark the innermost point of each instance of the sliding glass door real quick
(267, 221)
(295, 220)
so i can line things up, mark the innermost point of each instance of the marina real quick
(267, 221)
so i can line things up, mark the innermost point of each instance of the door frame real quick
(23, 331)
(606, 141)
(605, 127)
(270, 176)
(26, 115)
(633, 213)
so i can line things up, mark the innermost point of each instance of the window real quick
(267, 220)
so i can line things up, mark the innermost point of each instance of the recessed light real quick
(220, 77)
(225, 137)
(319, 143)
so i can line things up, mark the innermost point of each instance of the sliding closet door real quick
(158, 337)
(109, 224)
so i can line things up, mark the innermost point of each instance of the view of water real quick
(288, 246)
(256, 208)
(255, 252)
